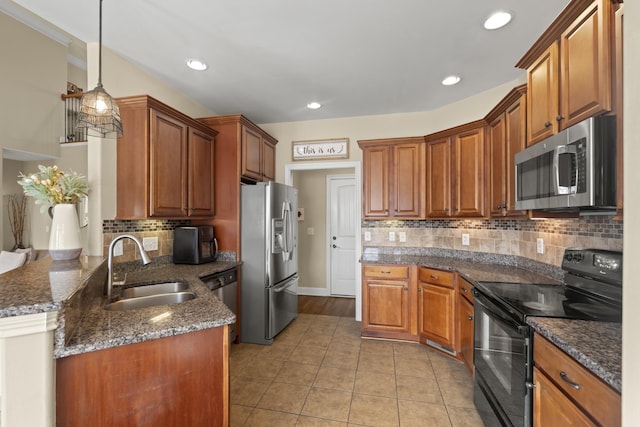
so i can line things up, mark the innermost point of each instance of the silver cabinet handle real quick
(566, 379)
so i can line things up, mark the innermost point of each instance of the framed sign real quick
(322, 149)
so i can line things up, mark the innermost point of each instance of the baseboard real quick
(316, 292)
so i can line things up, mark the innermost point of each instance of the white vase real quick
(64, 241)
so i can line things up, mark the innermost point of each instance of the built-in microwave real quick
(574, 169)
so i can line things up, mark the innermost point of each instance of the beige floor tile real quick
(267, 418)
(413, 367)
(317, 339)
(464, 417)
(327, 404)
(309, 354)
(374, 411)
(238, 415)
(375, 383)
(379, 347)
(419, 389)
(297, 373)
(247, 391)
(417, 414)
(304, 421)
(457, 393)
(451, 371)
(335, 378)
(413, 351)
(278, 350)
(260, 368)
(284, 397)
(290, 337)
(371, 362)
(346, 343)
(340, 359)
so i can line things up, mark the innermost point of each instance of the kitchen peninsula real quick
(136, 361)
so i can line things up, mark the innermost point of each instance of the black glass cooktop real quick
(546, 300)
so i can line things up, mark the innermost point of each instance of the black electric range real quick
(503, 342)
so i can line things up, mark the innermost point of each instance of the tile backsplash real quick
(508, 237)
(162, 229)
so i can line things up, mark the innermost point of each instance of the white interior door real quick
(343, 221)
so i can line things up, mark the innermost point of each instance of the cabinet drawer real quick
(588, 391)
(436, 277)
(387, 271)
(465, 290)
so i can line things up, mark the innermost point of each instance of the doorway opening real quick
(314, 241)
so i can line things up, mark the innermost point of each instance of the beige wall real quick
(631, 314)
(312, 249)
(10, 171)
(382, 126)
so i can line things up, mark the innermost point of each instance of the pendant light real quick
(98, 110)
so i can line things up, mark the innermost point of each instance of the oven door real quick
(502, 359)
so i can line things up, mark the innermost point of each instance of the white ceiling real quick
(268, 58)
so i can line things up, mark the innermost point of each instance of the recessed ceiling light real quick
(314, 105)
(450, 80)
(196, 64)
(497, 20)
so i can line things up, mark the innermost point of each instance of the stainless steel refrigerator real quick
(269, 247)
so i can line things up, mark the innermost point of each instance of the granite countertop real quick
(75, 290)
(595, 345)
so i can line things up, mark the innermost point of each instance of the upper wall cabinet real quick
(506, 136)
(165, 162)
(393, 178)
(456, 172)
(569, 69)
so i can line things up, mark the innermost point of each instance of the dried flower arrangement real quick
(17, 213)
(51, 186)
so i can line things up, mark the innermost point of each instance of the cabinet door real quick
(469, 177)
(439, 178)
(408, 162)
(542, 96)
(436, 314)
(515, 131)
(585, 58)
(268, 161)
(375, 185)
(201, 174)
(465, 331)
(552, 408)
(251, 154)
(168, 166)
(386, 306)
(497, 163)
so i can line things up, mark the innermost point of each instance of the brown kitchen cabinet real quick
(506, 137)
(388, 305)
(618, 92)
(437, 309)
(569, 69)
(181, 380)
(456, 172)
(566, 393)
(165, 163)
(244, 154)
(393, 178)
(465, 323)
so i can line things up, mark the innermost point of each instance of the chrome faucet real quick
(143, 254)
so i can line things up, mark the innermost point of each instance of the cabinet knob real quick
(547, 124)
(405, 289)
(558, 118)
(385, 272)
(434, 277)
(470, 318)
(465, 290)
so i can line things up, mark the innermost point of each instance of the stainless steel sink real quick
(150, 301)
(153, 289)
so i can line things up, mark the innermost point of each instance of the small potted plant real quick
(60, 191)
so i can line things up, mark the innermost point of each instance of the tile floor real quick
(319, 372)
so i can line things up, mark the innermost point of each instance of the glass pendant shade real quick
(100, 112)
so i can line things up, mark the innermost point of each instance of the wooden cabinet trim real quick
(467, 127)
(514, 95)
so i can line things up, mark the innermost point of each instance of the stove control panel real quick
(596, 263)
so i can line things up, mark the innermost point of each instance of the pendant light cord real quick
(100, 48)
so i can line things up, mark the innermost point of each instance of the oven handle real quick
(497, 314)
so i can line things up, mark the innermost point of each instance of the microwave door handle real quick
(563, 149)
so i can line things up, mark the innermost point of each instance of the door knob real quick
(334, 246)
(334, 237)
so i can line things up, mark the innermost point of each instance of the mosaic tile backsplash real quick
(508, 237)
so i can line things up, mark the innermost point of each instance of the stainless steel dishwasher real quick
(225, 285)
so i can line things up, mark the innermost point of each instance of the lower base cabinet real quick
(181, 380)
(465, 323)
(437, 309)
(567, 394)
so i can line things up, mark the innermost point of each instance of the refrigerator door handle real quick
(288, 232)
(284, 286)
